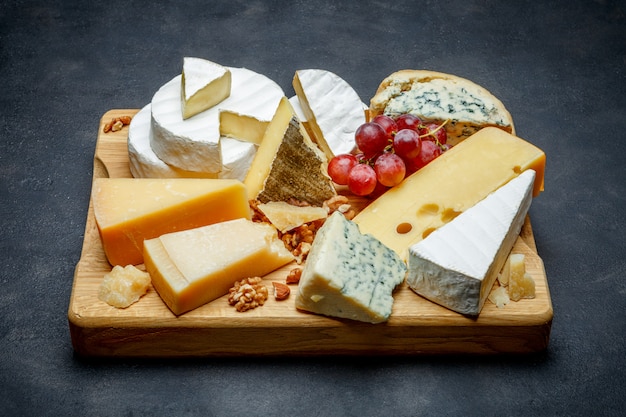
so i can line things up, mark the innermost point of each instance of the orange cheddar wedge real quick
(131, 210)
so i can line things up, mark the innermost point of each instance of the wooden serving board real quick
(417, 326)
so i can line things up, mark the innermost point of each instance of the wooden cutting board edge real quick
(107, 332)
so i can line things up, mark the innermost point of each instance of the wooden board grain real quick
(417, 326)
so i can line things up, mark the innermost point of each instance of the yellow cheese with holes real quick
(449, 185)
(193, 267)
(131, 210)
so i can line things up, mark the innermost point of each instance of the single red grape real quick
(387, 123)
(390, 169)
(407, 143)
(434, 132)
(430, 151)
(371, 138)
(339, 167)
(362, 180)
(408, 121)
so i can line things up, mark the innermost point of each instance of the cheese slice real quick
(437, 97)
(449, 185)
(193, 267)
(237, 155)
(286, 217)
(193, 144)
(203, 85)
(348, 274)
(332, 108)
(288, 165)
(457, 264)
(130, 210)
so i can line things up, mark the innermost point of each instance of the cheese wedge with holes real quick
(130, 210)
(437, 97)
(449, 185)
(457, 264)
(193, 267)
(193, 144)
(333, 109)
(288, 165)
(203, 85)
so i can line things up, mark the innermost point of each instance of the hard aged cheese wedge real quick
(457, 264)
(436, 97)
(193, 267)
(237, 155)
(449, 185)
(130, 210)
(193, 144)
(521, 284)
(285, 216)
(348, 274)
(288, 165)
(332, 108)
(204, 84)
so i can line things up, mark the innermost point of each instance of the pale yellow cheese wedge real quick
(203, 85)
(130, 210)
(193, 267)
(449, 185)
(285, 216)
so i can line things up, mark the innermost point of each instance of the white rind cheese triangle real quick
(193, 144)
(144, 163)
(457, 264)
(204, 84)
(332, 108)
(348, 274)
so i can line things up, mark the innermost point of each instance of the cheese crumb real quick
(522, 288)
(123, 286)
(499, 297)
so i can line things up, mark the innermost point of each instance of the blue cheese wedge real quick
(456, 265)
(348, 274)
(437, 97)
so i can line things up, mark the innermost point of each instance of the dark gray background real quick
(559, 67)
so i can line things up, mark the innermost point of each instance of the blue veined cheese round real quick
(437, 97)
(144, 163)
(193, 144)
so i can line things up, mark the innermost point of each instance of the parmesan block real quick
(193, 267)
(449, 185)
(123, 286)
(130, 210)
(520, 284)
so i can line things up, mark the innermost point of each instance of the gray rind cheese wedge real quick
(457, 264)
(288, 165)
(348, 274)
(332, 108)
(437, 97)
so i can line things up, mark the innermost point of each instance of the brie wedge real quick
(457, 264)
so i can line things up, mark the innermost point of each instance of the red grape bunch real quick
(389, 150)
